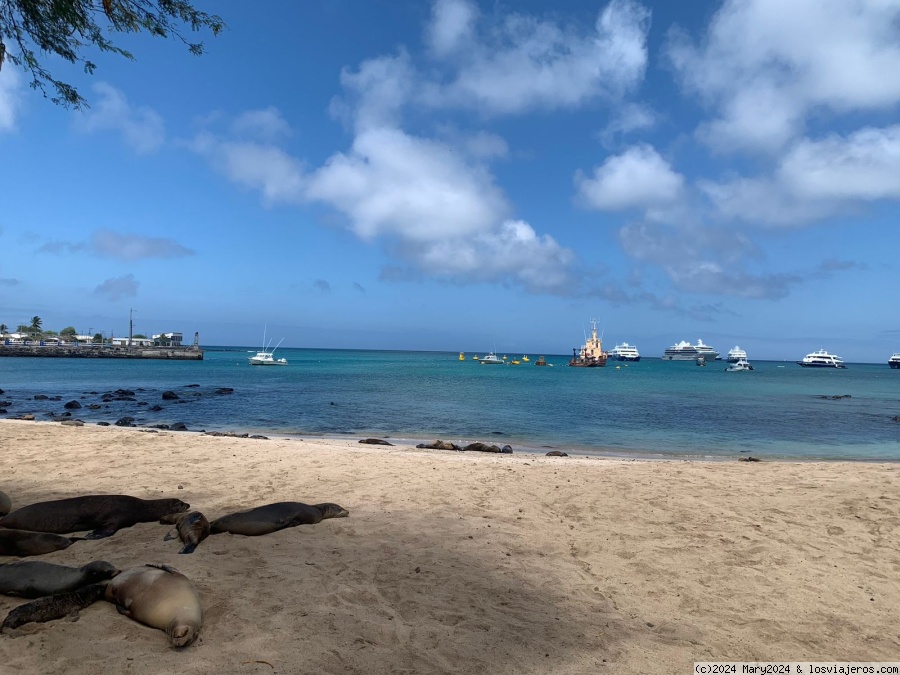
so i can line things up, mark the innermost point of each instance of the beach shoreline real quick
(455, 562)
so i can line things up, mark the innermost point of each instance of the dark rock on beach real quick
(72, 423)
(155, 408)
(102, 424)
(192, 386)
(40, 397)
(225, 390)
(72, 405)
(178, 426)
(375, 441)
(170, 396)
(125, 422)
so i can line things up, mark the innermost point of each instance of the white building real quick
(167, 339)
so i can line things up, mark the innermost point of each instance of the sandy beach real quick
(473, 563)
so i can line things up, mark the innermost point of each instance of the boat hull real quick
(588, 363)
(820, 365)
(627, 358)
(894, 364)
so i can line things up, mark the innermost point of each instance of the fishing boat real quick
(491, 360)
(591, 354)
(266, 357)
(541, 361)
(525, 358)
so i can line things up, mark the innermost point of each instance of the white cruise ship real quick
(624, 352)
(821, 359)
(894, 361)
(736, 354)
(685, 351)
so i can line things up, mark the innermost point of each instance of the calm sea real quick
(650, 408)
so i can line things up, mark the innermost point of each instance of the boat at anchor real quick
(591, 354)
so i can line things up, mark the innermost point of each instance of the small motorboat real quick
(739, 366)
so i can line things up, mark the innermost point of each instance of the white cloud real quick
(264, 167)
(627, 118)
(764, 76)
(378, 91)
(525, 62)
(638, 178)
(10, 98)
(451, 26)
(135, 247)
(267, 124)
(118, 287)
(142, 127)
(815, 179)
(391, 183)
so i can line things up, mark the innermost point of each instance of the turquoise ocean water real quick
(650, 408)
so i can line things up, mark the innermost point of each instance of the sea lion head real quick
(99, 570)
(175, 505)
(330, 510)
(181, 634)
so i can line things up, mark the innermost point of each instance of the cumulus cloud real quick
(763, 77)
(118, 287)
(142, 127)
(524, 62)
(260, 166)
(627, 119)
(10, 99)
(814, 179)
(638, 178)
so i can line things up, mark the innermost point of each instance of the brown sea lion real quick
(25, 543)
(191, 528)
(103, 514)
(56, 606)
(161, 597)
(36, 578)
(5, 503)
(274, 517)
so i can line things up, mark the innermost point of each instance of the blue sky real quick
(462, 176)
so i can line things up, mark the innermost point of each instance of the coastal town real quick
(34, 340)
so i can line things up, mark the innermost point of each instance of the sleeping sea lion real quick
(103, 514)
(36, 578)
(54, 606)
(161, 597)
(191, 528)
(25, 543)
(274, 517)
(5, 503)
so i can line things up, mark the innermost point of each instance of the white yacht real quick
(624, 352)
(821, 359)
(736, 354)
(685, 351)
(739, 366)
(491, 359)
(894, 361)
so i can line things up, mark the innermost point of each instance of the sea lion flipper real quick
(188, 548)
(100, 533)
(171, 534)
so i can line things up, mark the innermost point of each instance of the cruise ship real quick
(894, 361)
(685, 351)
(736, 354)
(624, 352)
(821, 359)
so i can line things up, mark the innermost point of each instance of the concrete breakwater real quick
(95, 352)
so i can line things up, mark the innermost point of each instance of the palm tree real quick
(36, 324)
(2, 327)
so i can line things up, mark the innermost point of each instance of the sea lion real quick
(5, 503)
(274, 517)
(191, 528)
(103, 514)
(55, 606)
(26, 542)
(161, 597)
(36, 578)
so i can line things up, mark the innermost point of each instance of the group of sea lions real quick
(156, 595)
